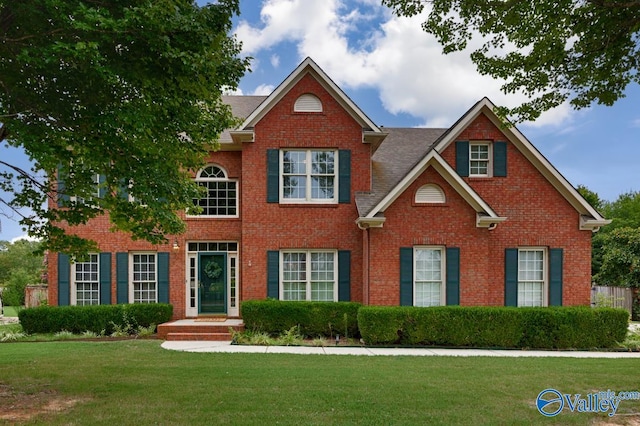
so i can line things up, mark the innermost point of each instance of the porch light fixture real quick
(176, 246)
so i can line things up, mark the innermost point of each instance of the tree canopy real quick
(121, 99)
(583, 51)
(19, 266)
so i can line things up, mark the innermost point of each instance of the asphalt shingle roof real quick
(242, 107)
(401, 150)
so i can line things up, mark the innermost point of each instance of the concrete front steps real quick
(214, 329)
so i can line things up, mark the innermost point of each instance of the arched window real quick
(308, 103)
(430, 194)
(222, 193)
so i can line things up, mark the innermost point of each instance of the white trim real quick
(545, 274)
(131, 272)
(307, 102)
(430, 193)
(308, 66)
(443, 272)
(308, 176)
(226, 178)
(433, 159)
(489, 160)
(235, 254)
(485, 106)
(308, 253)
(73, 289)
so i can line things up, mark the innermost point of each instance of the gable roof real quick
(308, 66)
(394, 167)
(241, 107)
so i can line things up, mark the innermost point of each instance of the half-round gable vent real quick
(430, 193)
(308, 103)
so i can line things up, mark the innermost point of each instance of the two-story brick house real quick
(310, 200)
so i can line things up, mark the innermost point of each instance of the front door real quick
(212, 283)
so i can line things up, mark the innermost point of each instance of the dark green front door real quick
(212, 278)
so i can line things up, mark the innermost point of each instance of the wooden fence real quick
(614, 297)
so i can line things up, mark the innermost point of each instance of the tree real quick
(584, 51)
(19, 266)
(116, 103)
(621, 260)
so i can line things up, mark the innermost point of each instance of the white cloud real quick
(263, 90)
(361, 44)
(23, 237)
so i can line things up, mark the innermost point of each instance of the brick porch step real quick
(199, 330)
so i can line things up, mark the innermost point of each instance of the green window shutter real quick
(163, 277)
(273, 176)
(511, 277)
(63, 197)
(122, 277)
(273, 274)
(555, 277)
(462, 158)
(453, 276)
(105, 278)
(64, 275)
(500, 159)
(406, 276)
(344, 176)
(344, 275)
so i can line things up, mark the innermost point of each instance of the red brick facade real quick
(537, 214)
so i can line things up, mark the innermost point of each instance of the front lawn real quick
(11, 311)
(137, 382)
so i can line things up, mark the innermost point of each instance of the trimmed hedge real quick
(314, 318)
(95, 318)
(505, 327)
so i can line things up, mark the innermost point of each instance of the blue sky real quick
(398, 76)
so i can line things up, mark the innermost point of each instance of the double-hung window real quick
(309, 176)
(429, 276)
(309, 275)
(532, 277)
(479, 159)
(86, 286)
(144, 278)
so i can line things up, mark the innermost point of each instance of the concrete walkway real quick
(227, 347)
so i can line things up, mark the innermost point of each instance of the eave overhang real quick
(370, 222)
(590, 219)
(486, 217)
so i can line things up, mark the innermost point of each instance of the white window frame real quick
(308, 199)
(308, 273)
(225, 179)
(95, 195)
(523, 280)
(443, 279)
(133, 281)
(75, 281)
(488, 160)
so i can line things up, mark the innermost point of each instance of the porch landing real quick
(199, 329)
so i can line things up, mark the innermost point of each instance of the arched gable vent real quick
(430, 194)
(308, 103)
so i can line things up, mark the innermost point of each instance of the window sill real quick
(309, 205)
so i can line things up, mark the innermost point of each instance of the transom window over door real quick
(308, 275)
(428, 273)
(309, 176)
(531, 277)
(222, 193)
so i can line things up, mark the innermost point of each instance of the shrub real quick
(100, 319)
(313, 318)
(548, 328)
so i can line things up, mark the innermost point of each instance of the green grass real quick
(12, 311)
(137, 382)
